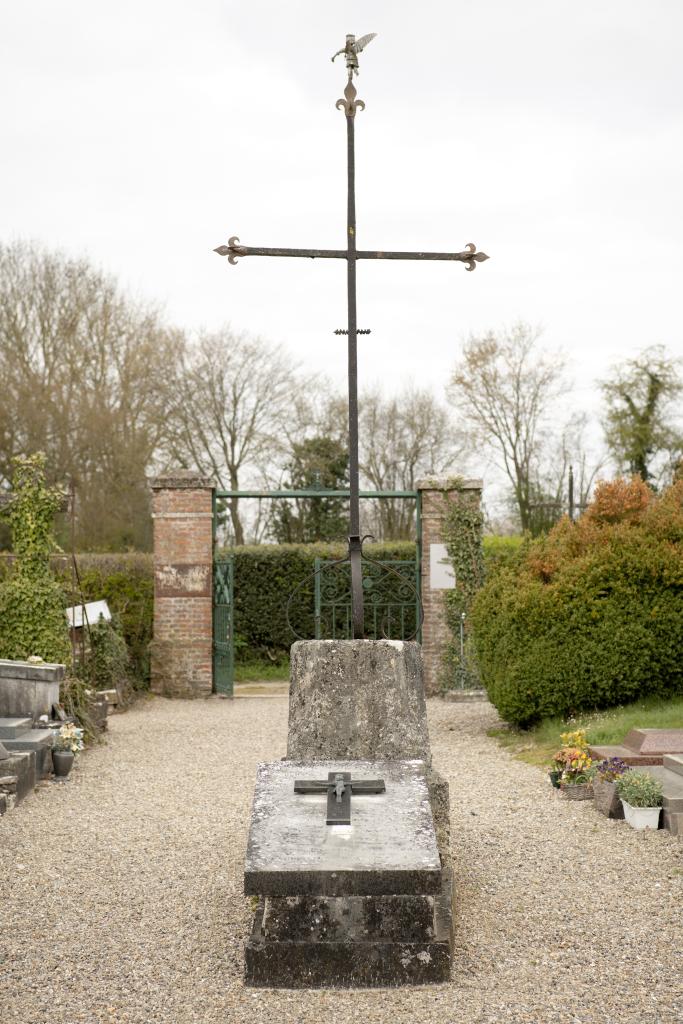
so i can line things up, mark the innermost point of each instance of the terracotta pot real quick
(607, 799)
(62, 762)
(581, 791)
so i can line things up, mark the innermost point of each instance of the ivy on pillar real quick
(437, 573)
(181, 652)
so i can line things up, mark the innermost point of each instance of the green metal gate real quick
(391, 599)
(223, 647)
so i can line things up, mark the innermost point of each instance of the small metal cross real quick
(339, 787)
(470, 257)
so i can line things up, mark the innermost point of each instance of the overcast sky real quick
(144, 133)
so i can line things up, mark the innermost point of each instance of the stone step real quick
(673, 763)
(11, 727)
(36, 741)
(672, 786)
(674, 823)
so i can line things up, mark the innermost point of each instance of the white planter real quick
(641, 817)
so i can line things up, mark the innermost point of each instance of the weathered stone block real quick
(357, 699)
(344, 961)
(28, 690)
(389, 848)
(348, 918)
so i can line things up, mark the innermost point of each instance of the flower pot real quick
(62, 762)
(642, 817)
(579, 791)
(555, 778)
(607, 799)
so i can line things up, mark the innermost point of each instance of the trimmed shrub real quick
(265, 576)
(591, 615)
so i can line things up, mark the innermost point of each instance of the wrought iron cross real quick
(350, 104)
(339, 787)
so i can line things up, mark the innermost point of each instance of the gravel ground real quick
(121, 888)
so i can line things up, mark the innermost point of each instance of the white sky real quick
(144, 133)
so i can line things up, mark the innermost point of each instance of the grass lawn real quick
(537, 745)
(255, 671)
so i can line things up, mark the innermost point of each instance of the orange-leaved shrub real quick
(591, 615)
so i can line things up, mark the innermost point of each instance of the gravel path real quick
(121, 889)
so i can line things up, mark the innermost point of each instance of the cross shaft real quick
(470, 257)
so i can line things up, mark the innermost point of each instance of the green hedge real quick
(265, 576)
(591, 615)
(126, 583)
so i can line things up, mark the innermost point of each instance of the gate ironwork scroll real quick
(223, 647)
(391, 596)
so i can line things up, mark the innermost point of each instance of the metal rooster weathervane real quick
(470, 257)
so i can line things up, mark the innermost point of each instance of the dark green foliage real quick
(462, 533)
(265, 575)
(500, 551)
(32, 605)
(319, 462)
(590, 616)
(107, 663)
(126, 583)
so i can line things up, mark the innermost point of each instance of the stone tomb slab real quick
(388, 849)
(643, 747)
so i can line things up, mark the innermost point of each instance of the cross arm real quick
(233, 249)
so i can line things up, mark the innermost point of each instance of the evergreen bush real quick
(591, 615)
(32, 605)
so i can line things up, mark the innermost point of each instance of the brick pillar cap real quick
(449, 483)
(181, 479)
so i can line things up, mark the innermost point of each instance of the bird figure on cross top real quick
(353, 48)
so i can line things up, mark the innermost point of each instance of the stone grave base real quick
(351, 941)
(643, 747)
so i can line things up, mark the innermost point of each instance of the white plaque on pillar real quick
(441, 571)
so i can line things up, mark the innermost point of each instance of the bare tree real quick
(642, 428)
(234, 394)
(503, 388)
(401, 439)
(83, 372)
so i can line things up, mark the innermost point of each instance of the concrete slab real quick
(11, 727)
(388, 849)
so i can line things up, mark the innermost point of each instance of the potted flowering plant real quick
(574, 765)
(607, 799)
(641, 796)
(66, 744)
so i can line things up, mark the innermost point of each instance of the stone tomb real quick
(367, 903)
(643, 747)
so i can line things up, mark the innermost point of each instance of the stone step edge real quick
(673, 763)
(10, 726)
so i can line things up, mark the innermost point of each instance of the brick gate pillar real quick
(181, 652)
(436, 577)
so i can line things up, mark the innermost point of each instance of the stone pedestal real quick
(357, 699)
(365, 904)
